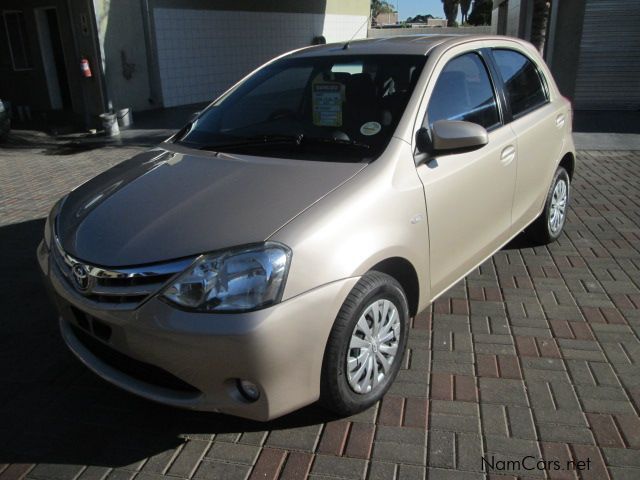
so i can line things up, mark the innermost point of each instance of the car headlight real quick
(233, 281)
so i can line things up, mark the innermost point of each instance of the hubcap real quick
(373, 347)
(558, 206)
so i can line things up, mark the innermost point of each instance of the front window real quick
(464, 92)
(342, 108)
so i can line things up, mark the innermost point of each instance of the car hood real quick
(175, 202)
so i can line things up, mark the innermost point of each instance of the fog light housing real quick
(249, 390)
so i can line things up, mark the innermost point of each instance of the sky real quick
(411, 8)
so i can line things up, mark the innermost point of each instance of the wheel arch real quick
(403, 271)
(568, 162)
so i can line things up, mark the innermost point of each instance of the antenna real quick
(346, 45)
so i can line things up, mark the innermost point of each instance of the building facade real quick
(86, 57)
(591, 46)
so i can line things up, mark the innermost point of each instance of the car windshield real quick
(341, 108)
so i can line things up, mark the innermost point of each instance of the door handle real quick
(560, 121)
(507, 155)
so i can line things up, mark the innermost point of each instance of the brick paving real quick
(536, 355)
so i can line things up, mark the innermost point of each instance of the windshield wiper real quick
(296, 140)
(257, 141)
(336, 141)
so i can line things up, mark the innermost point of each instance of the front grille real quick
(91, 324)
(118, 288)
(141, 371)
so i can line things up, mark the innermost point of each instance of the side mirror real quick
(451, 136)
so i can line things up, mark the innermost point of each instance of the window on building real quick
(17, 38)
(464, 92)
(522, 81)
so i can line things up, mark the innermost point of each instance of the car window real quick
(328, 108)
(464, 92)
(280, 93)
(522, 81)
(350, 68)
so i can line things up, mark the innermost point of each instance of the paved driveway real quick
(532, 363)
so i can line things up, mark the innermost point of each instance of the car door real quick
(468, 194)
(539, 125)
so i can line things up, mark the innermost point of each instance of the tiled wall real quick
(203, 52)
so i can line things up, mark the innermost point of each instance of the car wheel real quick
(548, 226)
(366, 345)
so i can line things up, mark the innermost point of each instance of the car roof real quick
(420, 44)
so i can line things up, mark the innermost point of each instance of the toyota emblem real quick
(80, 275)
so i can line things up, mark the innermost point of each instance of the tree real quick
(539, 21)
(420, 18)
(465, 5)
(378, 7)
(480, 12)
(451, 11)
(381, 6)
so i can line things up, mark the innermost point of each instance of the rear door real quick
(468, 195)
(539, 123)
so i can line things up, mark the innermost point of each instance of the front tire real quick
(366, 345)
(548, 226)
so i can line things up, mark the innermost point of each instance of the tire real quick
(337, 387)
(547, 228)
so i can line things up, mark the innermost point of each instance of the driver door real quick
(469, 194)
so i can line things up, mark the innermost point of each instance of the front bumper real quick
(280, 349)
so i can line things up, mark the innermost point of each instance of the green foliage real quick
(450, 8)
(465, 5)
(420, 18)
(480, 12)
(381, 6)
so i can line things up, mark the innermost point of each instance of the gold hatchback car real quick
(271, 253)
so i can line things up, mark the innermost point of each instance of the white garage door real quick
(609, 64)
(203, 52)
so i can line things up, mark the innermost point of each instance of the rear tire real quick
(548, 226)
(366, 345)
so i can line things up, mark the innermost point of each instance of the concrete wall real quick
(29, 87)
(514, 18)
(201, 50)
(122, 40)
(394, 32)
(198, 48)
(202, 53)
(563, 45)
(25, 87)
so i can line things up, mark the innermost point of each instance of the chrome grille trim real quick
(121, 288)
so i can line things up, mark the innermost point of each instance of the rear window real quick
(522, 80)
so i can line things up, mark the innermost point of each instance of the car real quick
(5, 120)
(272, 252)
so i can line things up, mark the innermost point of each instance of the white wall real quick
(121, 37)
(203, 52)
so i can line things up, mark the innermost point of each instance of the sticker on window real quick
(327, 102)
(370, 128)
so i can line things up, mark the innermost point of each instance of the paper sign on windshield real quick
(327, 104)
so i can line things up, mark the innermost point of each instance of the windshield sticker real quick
(327, 104)
(370, 128)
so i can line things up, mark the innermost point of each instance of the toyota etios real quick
(272, 252)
